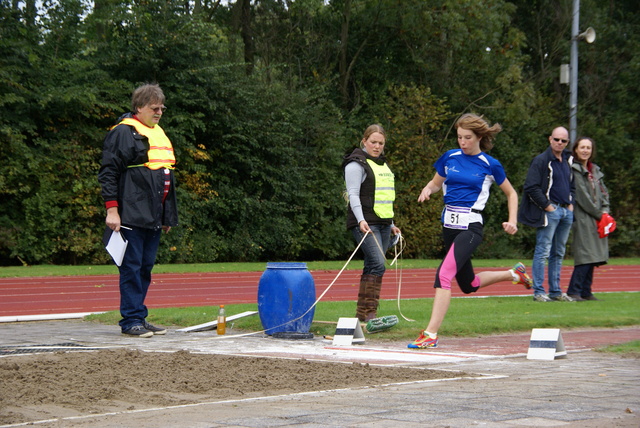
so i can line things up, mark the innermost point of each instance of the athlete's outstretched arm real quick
(510, 226)
(432, 187)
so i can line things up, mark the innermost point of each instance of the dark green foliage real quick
(259, 144)
(416, 119)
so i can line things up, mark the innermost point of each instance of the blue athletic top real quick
(468, 178)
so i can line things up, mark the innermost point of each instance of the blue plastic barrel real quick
(285, 292)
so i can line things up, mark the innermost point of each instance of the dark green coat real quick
(592, 199)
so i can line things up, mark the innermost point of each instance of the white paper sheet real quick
(116, 247)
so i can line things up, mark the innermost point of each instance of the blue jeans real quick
(135, 274)
(551, 243)
(374, 260)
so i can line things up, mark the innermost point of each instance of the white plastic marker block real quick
(349, 331)
(546, 344)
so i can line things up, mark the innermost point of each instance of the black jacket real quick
(138, 190)
(535, 197)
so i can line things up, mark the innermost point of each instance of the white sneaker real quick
(563, 298)
(541, 298)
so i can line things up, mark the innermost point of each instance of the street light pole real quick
(573, 67)
(588, 36)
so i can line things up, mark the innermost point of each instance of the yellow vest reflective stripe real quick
(160, 152)
(385, 191)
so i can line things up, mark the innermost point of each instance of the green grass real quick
(629, 349)
(54, 270)
(467, 317)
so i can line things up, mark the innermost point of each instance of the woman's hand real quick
(432, 187)
(425, 195)
(364, 226)
(510, 228)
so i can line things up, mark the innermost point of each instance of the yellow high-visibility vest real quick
(160, 152)
(385, 191)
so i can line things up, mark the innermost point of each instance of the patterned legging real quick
(459, 245)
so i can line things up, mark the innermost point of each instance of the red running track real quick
(73, 294)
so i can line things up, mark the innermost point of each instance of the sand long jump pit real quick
(54, 383)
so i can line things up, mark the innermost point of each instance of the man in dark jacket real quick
(547, 204)
(138, 188)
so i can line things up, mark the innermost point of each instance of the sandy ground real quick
(45, 386)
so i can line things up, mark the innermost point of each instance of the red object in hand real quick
(606, 225)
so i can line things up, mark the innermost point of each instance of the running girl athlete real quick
(465, 176)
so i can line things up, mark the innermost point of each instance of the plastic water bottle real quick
(222, 321)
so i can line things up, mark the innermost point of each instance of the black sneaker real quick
(155, 330)
(138, 331)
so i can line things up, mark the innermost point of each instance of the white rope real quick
(401, 243)
(314, 303)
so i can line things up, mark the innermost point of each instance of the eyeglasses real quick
(554, 139)
(158, 109)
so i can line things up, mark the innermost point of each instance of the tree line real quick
(265, 97)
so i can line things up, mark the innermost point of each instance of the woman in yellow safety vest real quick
(371, 193)
(138, 188)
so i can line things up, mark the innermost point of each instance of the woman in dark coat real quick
(592, 200)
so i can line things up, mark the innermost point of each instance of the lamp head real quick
(588, 36)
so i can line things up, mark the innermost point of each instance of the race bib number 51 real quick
(456, 217)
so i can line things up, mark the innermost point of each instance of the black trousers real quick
(581, 280)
